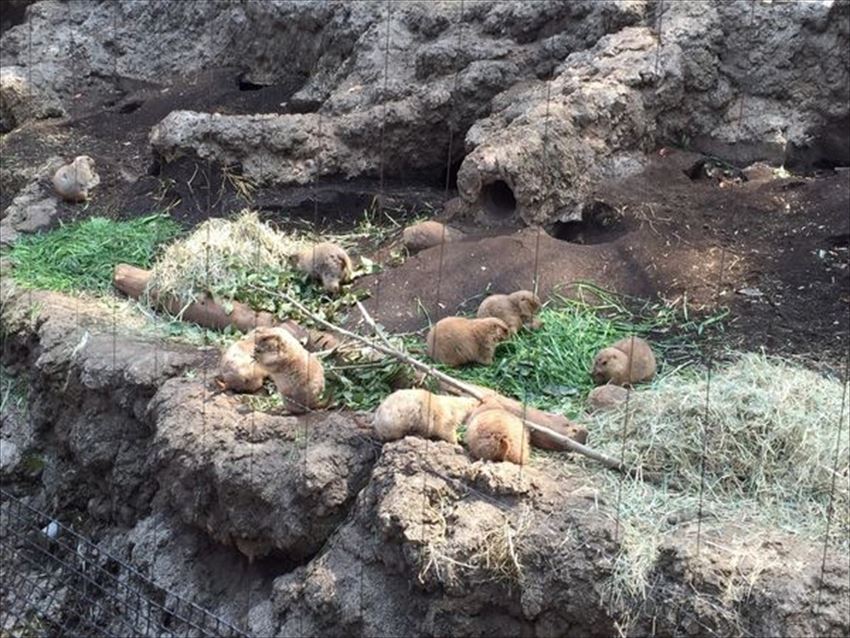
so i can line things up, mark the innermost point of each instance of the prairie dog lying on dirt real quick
(327, 262)
(517, 309)
(458, 340)
(421, 413)
(626, 362)
(494, 434)
(73, 181)
(238, 371)
(427, 234)
(297, 374)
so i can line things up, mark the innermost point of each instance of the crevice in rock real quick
(497, 200)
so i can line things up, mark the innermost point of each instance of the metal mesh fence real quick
(54, 582)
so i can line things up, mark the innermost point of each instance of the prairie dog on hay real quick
(73, 181)
(238, 370)
(606, 397)
(427, 234)
(297, 374)
(421, 413)
(458, 340)
(517, 309)
(612, 364)
(326, 262)
(494, 434)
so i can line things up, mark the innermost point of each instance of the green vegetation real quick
(549, 367)
(81, 256)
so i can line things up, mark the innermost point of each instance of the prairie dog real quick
(297, 374)
(458, 340)
(73, 181)
(606, 397)
(326, 262)
(517, 309)
(427, 234)
(421, 413)
(494, 434)
(238, 371)
(612, 364)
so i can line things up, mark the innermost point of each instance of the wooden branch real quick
(470, 389)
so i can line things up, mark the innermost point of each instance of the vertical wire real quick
(707, 415)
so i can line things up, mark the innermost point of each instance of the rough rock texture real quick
(34, 207)
(260, 482)
(550, 96)
(88, 391)
(20, 101)
(428, 554)
(421, 542)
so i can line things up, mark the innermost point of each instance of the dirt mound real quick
(260, 482)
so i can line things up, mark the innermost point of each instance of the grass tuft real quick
(770, 439)
(81, 256)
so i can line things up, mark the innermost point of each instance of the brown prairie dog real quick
(73, 181)
(517, 309)
(427, 234)
(458, 340)
(421, 413)
(626, 362)
(494, 434)
(327, 262)
(238, 371)
(297, 374)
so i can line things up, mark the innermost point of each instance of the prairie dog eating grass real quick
(494, 434)
(297, 374)
(626, 362)
(238, 370)
(458, 340)
(73, 181)
(326, 262)
(517, 309)
(421, 413)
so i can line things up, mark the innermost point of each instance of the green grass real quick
(81, 256)
(549, 367)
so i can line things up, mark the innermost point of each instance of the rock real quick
(20, 100)
(10, 456)
(428, 234)
(33, 208)
(606, 397)
(260, 482)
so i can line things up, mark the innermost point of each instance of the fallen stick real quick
(471, 390)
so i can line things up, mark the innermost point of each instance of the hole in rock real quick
(130, 107)
(498, 200)
(247, 85)
(599, 223)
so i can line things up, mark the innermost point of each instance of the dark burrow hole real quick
(130, 107)
(600, 223)
(498, 200)
(714, 168)
(247, 85)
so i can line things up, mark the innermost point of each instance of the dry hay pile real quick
(217, 256)
(773, 457)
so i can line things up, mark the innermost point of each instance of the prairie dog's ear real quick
(503, 447)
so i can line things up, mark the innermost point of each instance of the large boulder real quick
(260, 482)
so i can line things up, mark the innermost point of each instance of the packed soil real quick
(774, 251)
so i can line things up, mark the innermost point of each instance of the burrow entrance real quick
(497, 200)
